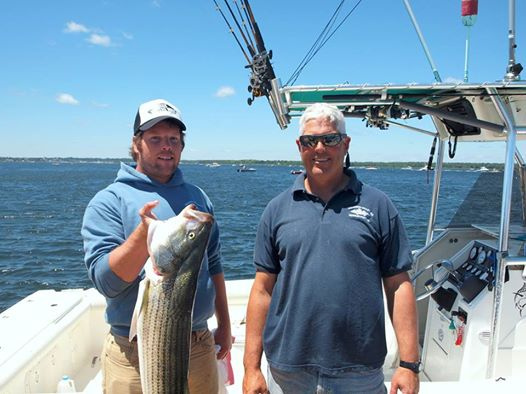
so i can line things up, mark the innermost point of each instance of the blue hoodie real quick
(113, 214)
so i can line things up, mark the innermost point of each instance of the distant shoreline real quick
(365, 164)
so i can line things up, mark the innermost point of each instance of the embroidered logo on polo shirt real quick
(360, 213)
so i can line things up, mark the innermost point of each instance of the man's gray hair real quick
(323, 111)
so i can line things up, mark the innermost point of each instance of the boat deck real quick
(54, 333)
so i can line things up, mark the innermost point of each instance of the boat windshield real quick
(467, 198)
(482, 203)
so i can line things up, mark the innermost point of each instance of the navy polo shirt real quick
(327, 308)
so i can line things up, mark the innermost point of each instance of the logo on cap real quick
(163, 107)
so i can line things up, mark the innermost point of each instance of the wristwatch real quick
(416, 367)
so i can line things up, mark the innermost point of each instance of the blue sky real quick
(74, 72)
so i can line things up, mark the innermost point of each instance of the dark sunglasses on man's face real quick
(310, 141)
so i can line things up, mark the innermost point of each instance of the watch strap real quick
(413, 366)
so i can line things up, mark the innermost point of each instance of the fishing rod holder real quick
(378, 116)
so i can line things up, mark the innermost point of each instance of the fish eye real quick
(191, 235)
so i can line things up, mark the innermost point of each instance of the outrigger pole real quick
(422, 41)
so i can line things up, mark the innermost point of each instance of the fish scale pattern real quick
(165, 336)
(165, 321)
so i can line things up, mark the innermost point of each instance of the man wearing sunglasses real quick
(324, 249)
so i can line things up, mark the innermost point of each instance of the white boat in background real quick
(244, 168)
(213, 165)
(424, 168)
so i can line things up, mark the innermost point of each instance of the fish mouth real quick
(190, 212)
(201, 217)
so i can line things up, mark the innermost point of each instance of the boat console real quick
(458, 325)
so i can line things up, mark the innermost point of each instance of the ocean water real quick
(41, 208)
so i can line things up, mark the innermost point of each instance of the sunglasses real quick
(310, 141)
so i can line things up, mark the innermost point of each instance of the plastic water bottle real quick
(66, 385)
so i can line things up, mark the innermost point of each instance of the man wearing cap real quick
(114, 230)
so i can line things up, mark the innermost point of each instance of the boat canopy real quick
(469, 112)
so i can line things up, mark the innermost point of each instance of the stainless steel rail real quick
(503, 230)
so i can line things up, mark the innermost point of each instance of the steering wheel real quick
(432, 285)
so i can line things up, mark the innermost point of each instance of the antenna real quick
(514, 69)
(469, 11)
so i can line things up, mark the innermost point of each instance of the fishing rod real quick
(232, 31)
(322, 39)
(255, 29)
(250, 47)
(243, 22)
(259, 63)
(262, 70)
(314, 48)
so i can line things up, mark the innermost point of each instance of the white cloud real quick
(95, 36)
(225, 91)
(66, 98)
(128, 36)
(74, 27)
(98, 39)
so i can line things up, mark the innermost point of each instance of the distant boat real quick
(407, 168)
(296, 172)
(213, 165)
(483, 169)
(244, 168)
(371, 168)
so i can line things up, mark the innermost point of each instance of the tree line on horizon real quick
(376, 164)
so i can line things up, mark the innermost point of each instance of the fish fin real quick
(141, 299)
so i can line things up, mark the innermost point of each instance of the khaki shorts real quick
(120, 365)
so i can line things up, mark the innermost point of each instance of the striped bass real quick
(162, 319)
